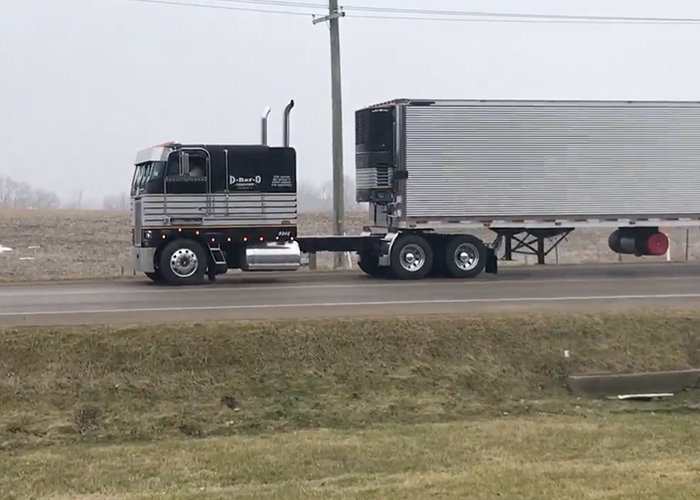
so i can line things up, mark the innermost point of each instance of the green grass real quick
(390, 408)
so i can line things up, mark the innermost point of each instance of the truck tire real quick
(369, 264)
(183, 262)
(411, 257)
(465, 256)
(155, 277)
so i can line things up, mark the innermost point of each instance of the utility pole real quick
(333, 18)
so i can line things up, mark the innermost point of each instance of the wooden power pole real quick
(333, 18)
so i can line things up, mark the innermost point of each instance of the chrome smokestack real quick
(285, 129)
(263, 132)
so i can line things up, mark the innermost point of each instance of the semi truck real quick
(432, 173)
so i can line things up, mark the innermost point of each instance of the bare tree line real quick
(320, 199)
(21, 195)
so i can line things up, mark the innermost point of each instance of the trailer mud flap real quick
(491, 262)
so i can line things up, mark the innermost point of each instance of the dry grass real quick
(108, 384)
(543, 458)
(371, 409)
(66, 244)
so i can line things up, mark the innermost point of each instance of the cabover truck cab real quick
(199, 210)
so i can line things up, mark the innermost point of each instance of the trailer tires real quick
(183, 262)
(411, 257)
(465, 256)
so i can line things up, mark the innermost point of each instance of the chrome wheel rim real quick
(184, 263)
(466, 257)
(412, 258)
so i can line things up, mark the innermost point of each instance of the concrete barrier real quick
(634, 383)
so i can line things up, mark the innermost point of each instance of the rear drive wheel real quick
(183, 262)
(369, 264)
(411, 257)
(465, 256)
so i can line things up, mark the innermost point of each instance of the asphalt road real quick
(305, 294)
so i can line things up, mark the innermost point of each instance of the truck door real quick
(137, 184)
(187, 185)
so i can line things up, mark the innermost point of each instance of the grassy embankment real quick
(373, 409)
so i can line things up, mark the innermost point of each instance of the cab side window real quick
(186, 172)
(173, 167)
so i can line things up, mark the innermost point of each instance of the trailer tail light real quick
(657, 244)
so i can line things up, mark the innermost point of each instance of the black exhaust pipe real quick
(285, 129)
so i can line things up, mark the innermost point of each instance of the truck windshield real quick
(145, 173)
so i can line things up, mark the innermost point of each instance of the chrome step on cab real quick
(217, 254)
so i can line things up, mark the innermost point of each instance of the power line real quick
(224, 7)
(280, 3)
(506, 20)
(516, 15)
(401, 13)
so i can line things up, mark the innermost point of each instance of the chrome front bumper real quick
(142, 259)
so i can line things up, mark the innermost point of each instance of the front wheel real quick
(411, 257)
(183, 262)
(155, 277)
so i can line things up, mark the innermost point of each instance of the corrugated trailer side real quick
(532, 172)
(512, 160)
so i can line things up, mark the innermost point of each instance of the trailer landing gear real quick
(531, 242)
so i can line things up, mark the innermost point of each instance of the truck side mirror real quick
(184, 164)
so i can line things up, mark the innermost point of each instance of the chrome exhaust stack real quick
(263, 131)
(273, 256)
(285, 128)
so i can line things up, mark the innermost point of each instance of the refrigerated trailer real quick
(432, 172)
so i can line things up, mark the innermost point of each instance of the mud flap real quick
(491, 262)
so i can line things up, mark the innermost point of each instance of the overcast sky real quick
(86, 83)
